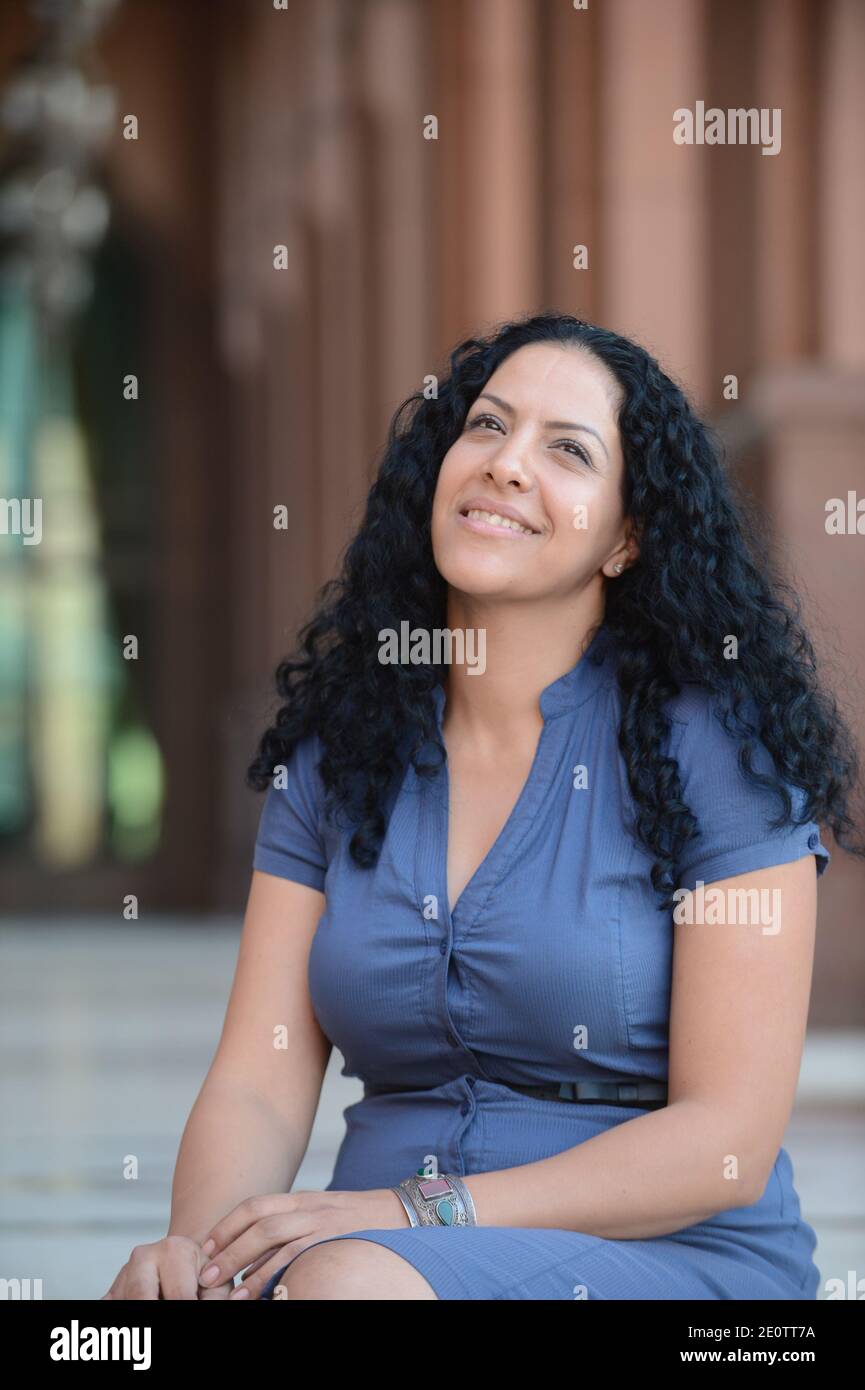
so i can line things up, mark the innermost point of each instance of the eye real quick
(478, 419)
(570, 446)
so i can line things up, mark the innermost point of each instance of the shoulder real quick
(708, 750)
(742, 824)
(697, 704)
(299, 771)
(290, 840)
(698, 732)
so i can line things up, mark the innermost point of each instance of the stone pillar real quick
(813, 422)
(490, 171)
(653, 239)
(841, 197)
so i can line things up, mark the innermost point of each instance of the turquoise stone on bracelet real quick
(445, 1211)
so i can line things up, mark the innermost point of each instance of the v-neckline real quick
(497, 844)
(565, 693)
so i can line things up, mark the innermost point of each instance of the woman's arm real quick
(250, 1125)
(738, 1013)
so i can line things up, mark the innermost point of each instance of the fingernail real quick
(208, 1275)
(239, 1293)
(209, 1246)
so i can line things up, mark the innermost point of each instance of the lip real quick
(486, 504)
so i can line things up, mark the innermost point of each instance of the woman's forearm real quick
(234, 1146)
(649, 1176)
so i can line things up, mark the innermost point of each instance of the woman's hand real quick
(265, 1233)
(169, 1268)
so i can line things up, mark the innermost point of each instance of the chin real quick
(480, 575)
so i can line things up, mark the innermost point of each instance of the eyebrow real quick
(548, 424)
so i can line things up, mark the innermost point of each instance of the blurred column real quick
(842, 187)
(491, 210)
(270, 75)
(812, 422)
(653, 247)
(812, 416)
(787, 207)
(569, 158)
(395, 336)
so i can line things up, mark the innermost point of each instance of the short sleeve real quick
(289, 842)
(734, 815)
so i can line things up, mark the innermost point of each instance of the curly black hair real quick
(702, 570)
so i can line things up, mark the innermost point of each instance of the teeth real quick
(495, 520)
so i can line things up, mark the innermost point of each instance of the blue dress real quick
(556, 940)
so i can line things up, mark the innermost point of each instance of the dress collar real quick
(596, 667)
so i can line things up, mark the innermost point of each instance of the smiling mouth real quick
(494, 521)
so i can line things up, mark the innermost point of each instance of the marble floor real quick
(107, 1030)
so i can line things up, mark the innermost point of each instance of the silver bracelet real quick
(412, 1214)
(441, 1199)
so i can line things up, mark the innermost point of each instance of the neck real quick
(527, 647)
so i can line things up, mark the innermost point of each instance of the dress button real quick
(813, 840)
(464, 1109)
(443, 947)
(452, 1040)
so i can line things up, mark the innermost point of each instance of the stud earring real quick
(618, 568)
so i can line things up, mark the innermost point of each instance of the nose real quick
(507, 467)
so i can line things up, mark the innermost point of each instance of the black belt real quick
(651, 1095)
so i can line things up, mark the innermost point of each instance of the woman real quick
(483, 881)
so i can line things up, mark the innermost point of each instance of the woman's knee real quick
(351, 1269)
